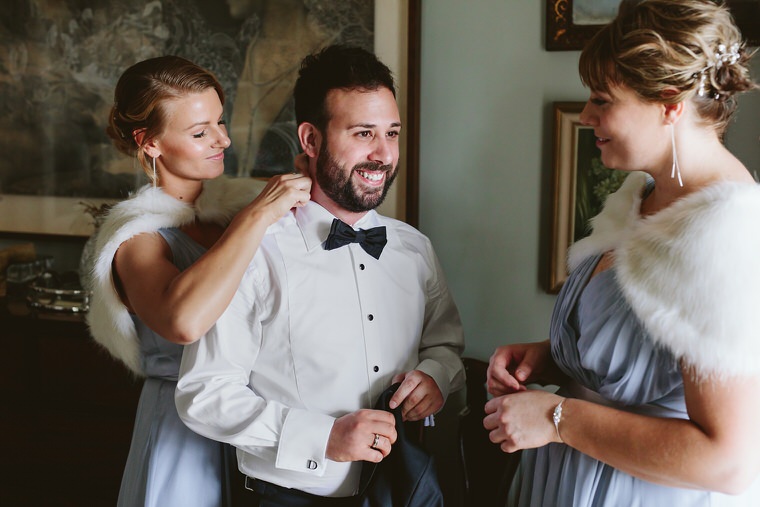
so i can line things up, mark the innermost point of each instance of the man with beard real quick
(338, 304)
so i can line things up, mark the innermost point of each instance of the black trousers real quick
(272, 495)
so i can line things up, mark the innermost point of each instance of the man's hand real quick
(353, 436)
(418, 395)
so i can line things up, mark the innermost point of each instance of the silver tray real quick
(58, 300)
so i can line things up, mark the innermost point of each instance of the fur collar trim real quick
(690, 272)
(147, 211)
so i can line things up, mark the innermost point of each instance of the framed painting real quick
(581, 183)
(571, 23)
(59, 66)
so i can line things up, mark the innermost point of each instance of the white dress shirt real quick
(312, 335)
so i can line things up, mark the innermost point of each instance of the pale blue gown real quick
(601, 345)
(169, 465)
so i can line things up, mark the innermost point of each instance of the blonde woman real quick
(168, 261)
(654, 337)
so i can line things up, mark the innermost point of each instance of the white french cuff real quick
(303, 442)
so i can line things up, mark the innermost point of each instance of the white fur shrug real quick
(148, 210)
(691, 272)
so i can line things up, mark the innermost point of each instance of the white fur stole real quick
(690, 272)
(148, 210)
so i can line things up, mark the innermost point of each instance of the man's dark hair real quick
(336, 67)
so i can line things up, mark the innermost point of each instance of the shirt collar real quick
(314, 221)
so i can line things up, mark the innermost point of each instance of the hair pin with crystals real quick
(724, 56)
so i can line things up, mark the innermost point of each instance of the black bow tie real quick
(371, 240)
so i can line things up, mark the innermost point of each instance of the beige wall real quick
(487, 88)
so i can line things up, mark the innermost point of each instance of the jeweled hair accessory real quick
(730, 57)
(724, 56)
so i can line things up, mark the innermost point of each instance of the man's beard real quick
(336, 182)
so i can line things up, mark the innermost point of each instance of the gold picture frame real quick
(580, 185)
(563, 34)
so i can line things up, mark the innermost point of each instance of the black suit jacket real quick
(406, 477)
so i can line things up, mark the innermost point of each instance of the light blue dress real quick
(168, 464)
(598, 341)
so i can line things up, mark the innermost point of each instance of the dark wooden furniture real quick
(67, 415)
(487, 470)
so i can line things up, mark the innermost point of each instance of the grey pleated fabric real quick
(168, 464)
(598, 341)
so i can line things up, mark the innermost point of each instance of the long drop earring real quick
(676, 169)
(155, 178)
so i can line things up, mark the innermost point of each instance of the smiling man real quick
(338, 304)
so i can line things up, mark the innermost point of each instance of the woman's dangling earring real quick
(676, 170)
(155, 177)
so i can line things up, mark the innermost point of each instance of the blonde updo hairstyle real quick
(656, 46)
(140, 97)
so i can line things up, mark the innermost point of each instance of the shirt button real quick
(376, 369)
(371, 317)
(361, 266)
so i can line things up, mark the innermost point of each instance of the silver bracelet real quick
(557, 417)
